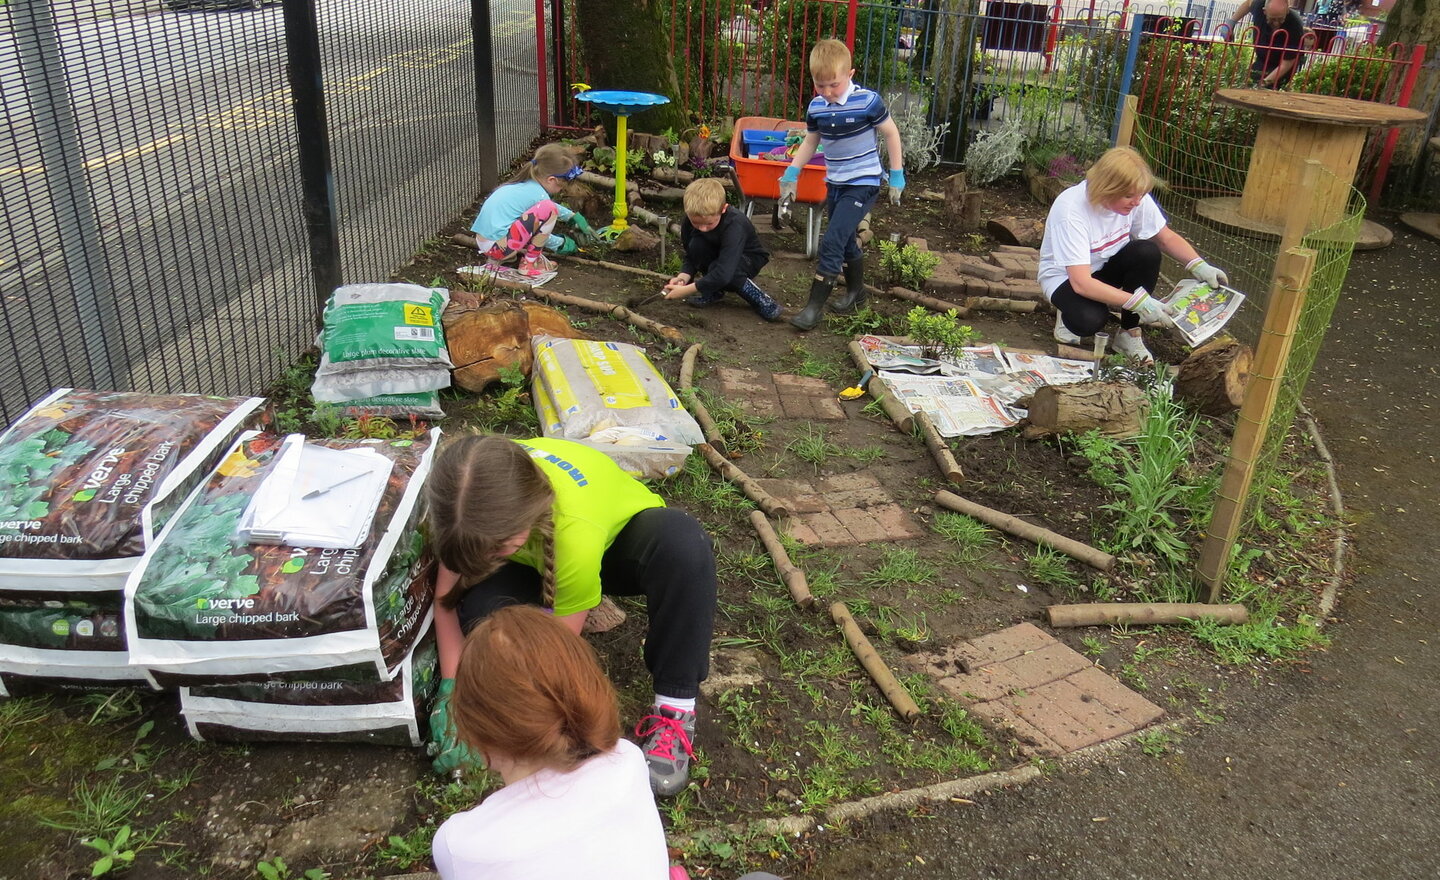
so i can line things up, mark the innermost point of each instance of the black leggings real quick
(1134, 266)
(662, 554)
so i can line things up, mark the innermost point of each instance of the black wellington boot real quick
(815, 308)
(854, 295)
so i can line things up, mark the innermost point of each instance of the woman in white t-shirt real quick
(531, 699)
(1101, 253)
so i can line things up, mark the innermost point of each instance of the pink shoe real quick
(534, 267)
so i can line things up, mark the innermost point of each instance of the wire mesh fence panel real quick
(150, 196)
(516, 71)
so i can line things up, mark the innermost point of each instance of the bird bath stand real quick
(622, 104)
(1295, 127)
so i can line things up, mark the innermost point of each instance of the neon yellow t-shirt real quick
(594, 499)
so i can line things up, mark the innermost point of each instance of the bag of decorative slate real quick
(88, 478)
(421, 404)
(382, 339)
(74, 638)
(318, 709)
(583, 387)
(207, 606)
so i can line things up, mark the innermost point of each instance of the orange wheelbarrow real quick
(760, 178)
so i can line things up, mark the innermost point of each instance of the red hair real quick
(529, 688)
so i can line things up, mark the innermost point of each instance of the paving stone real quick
(947, 283)
(1116, 697)
(1047, 664)
(827, 530)
(1031, 738)
(1024, 288)
(797, 495)
(1062, 728)
(1019, 250)
(1013, 267)
(897, 522)
(977, 267)
(787, 383)
(1000, 646)
(844, 482)
(919, 244)
(1084, 708)
(986, 683)
(740, 381)
(861, 524)
(866, 497)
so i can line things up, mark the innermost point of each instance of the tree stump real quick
(486, 336)
(636, 240)
(1213, 378)
(1014, 231)
(1115, 409)
(961, 202)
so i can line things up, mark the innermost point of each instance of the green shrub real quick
(938, 335)
(906, 264)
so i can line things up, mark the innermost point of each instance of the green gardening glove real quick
(583, 227)
(562, 244)
(450, 754)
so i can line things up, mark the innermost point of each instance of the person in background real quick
(556, 524)
(1278, 32)
(517, 221)
(1101, 253)
(722, 248)
(846, 118)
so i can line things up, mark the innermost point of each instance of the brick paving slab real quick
(780, 394)
(1019, 250)
(965, 264)
(1050, 697)
(842, 510)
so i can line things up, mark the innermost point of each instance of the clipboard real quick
(315, 496)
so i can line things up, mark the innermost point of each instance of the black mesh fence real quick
(156, 231)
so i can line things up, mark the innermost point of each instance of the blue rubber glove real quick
(583, 227)
(449, 753)
(897, 185)
(789, 185)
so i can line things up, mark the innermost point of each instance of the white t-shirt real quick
(598, 822)
(1077, 232)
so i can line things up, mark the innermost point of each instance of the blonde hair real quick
(705, 198)
(530, 689)
(551, 160)
(1120, 172)
(829, 57)
(482, 491)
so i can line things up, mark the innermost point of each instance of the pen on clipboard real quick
(316, 493)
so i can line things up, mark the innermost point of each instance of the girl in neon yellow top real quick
(555, 523)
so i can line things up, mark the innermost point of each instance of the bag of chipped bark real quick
(610, 396)
(320, 708)
(66, 640)
(208, 606)
(88, 478)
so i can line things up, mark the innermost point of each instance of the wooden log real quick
(706, 423)
(608, 183)
(1016, 231)
(618, 312)
(727, 469)
(1213, 378)
(939, 449)
(672, 175)
(618, 267)
(970, 210)
(487, 338)
(1115, 409)
(653, 219)
(929, 302)
(997, 304)
(793, 578)
(1143, 613)
(956, 185)
(865, 652)
(687, 365)
(1019, 528)
(896, 410)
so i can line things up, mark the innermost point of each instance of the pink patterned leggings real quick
(526, 236)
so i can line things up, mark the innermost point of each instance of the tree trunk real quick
(1412, 22)
(1112, 408)
(1212, 379)
(484, 337)
(626, 48)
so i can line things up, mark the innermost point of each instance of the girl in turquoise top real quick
(557, 524)
(518, 219)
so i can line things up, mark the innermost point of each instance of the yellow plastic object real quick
(857, 391)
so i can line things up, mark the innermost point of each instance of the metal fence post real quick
(1407, 87)
(1127, 74)
(47, 93)
(317, 181)
(484, 52)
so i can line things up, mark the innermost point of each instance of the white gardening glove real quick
(1207, 274)
(1150, 309)
(789, 185)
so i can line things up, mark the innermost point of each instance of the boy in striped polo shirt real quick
(846, 118)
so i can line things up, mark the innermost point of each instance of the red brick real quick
(790, 384)
(1001, 718)
(767, 406)
(896, 522)
(1019, 250)
(979, 287)
(919, 244)
(1116, 697)
(829, 531)
(801, 532)
(976, 267)
(797, 495)
(842, 482)
(947, 283)
(986, 683)
(745, 381)
(858, 497)
(1064, 729)
(1046, 665)
(1013, 267)
(1024, 288)
(997, 647)
(1083, 708)
(861, 524)
(796, 407)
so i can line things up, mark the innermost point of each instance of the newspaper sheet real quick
(1202, 310)
(957, 406)
(1052, 370)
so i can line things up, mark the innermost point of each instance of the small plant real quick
(1239, 644)
(327, 420)
(813, 447)
(113, 852)
(859, 323)
(906, 264)
(993, 154)
(278, 870)
(408, 851)
(662, 159)
(602, 159)
(919, 141)
(1094, 647)
(899, 566)
(1157, 742)
(1051, 568)
(974, 538)
(371, 427)
(938, 336)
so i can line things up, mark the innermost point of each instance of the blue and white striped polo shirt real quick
(847, 129)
